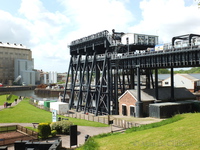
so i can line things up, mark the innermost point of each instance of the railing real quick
(105, 120)
(26, 134)
(91, 117)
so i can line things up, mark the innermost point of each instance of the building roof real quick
(164, 94)
(192, 77)
(195, 75)
(14, 45)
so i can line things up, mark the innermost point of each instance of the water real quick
(31, 93)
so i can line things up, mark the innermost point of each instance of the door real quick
(132, 111)
(124, 110)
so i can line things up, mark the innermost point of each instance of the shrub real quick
(61, 127)
(53, 133)
(44, 130)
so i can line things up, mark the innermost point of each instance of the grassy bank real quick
(27, 113)
(7, 98)
(182, 134)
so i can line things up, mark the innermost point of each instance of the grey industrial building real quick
(16, 61)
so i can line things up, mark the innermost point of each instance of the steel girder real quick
(97, 81)
(167, 59)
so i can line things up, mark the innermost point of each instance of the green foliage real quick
(61, 127)
(8, 97)
(154, 125)
(53, 133)
(163, 71)
(90, 144)
(44, 130)
(192, 70)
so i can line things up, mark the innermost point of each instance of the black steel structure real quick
(102, 68)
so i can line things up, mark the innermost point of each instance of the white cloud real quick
(48, 34)
(168, 18)
(11, 28)
(91, 16)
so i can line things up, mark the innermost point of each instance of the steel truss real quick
(98, 74)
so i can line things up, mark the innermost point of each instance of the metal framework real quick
(101, 70)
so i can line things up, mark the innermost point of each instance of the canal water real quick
(31, 93)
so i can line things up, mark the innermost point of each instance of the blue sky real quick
(48, 27)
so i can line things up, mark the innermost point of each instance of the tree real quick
(163, 71)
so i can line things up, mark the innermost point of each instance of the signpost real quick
(54, 115)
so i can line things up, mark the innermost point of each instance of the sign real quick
(54, 115)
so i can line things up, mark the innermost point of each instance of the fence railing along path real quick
(106, 119)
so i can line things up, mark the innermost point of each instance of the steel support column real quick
(156, 83)
(172, 84)
(139, 103)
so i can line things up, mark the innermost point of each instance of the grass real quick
(24, 112)
(3, 99)
(181, 134)
(154, 125)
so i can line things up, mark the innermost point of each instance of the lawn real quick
(182, 134)
(3, 99)
(27, 113)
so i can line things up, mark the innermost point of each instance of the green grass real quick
(24, 112)
(8, 128)
(82, 122)
(182, 134)
(3, 99)
(154, 125)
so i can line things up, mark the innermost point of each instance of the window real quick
(166, 83)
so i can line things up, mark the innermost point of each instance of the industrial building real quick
(8, 54)
(24, 71)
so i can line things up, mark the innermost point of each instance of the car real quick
(1, 84)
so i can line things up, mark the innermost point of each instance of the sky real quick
(47, 27)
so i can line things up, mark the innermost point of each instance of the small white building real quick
(183, 80)
(61, 107)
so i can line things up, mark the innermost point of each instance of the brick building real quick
(127, 101)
